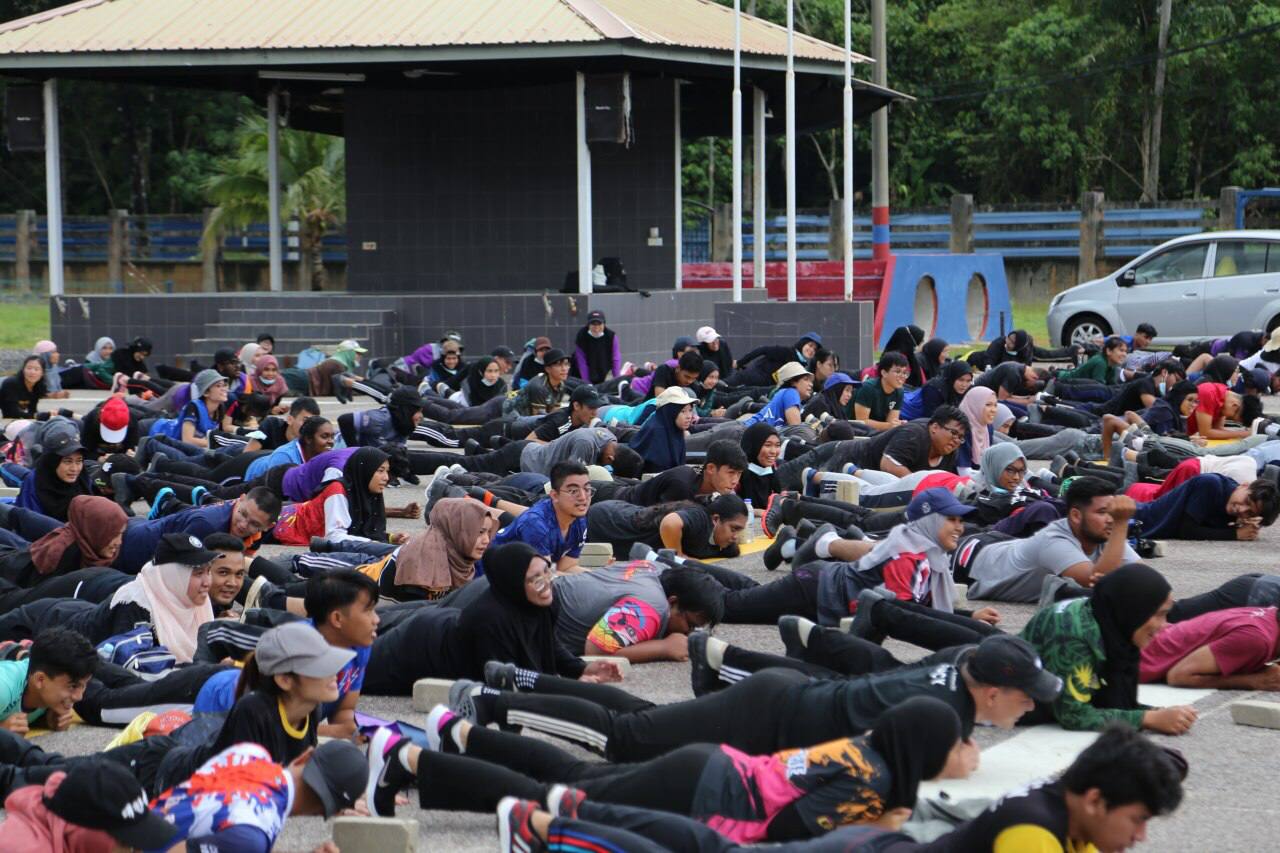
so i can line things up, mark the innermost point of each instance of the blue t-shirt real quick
(219, 691)
(774, 414)
(285, 454)
(539, 527)
(141, 535)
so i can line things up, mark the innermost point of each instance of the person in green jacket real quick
(1103, 366)
(1095, 644)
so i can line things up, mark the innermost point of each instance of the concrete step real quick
(246, 332)
(267, 317)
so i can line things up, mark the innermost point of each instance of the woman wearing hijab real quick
(435, 561)
(905, 339)
(21, 393)
(448, 371)
(91, 537)
(269, 383)
(947, 388)
(54, 379)
(392, 424)
(855, 780)
(661, 440)
(1094, 645)
(58, 477)
(348, 513)
(596, 354)
(836, 398)
(483, 382)
(131, 362)
(758, 366)
(979, 408)
(932, 357)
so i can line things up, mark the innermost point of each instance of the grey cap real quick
(205, 380)
(338, 772)
(298, 648)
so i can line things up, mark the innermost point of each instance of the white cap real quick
(350, 345)
(706, 335)
(675, 394)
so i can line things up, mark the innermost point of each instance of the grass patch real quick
(23, 323)
(1034, 317)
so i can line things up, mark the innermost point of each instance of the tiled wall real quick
(845, 327)
(476, 190)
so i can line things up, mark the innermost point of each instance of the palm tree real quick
(313, 189)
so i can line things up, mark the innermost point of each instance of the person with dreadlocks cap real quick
(1095, 644)
(392, 424)
(349, 514)
(947, 387)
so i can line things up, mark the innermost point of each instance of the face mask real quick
(599, 334)
(1010, 352)
(265, 381)
(490, 382)
(1162, 384)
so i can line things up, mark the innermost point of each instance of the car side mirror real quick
(1127, 278)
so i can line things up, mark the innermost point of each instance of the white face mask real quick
(1162, 391)
(266, 381)
(595, 334)
(487, 381)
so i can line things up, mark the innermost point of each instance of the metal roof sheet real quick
(118, 26)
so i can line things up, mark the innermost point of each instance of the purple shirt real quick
(303, 481)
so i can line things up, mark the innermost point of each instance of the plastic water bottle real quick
(749, 533)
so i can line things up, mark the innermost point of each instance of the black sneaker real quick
(319, 545)
(773, 554)
(807, 552)
(702, 676)
(805, 529)
(862, 623)
(387, 775)
(500, 676)
(789, 631)
(473, 448)
(641, 551)
(121, 493)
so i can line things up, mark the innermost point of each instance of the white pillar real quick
(846, 235)
(53, 185)
(275, 252)
(736, 101)
(791, 153)
(759, 214)
(678, 237)
(584, 190)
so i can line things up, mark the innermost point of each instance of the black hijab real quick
(598, 352)
(708, 367)
(123, 358)
(756, 485)
(502, 624)
(914, 738)
(930, 354)
(1122, 601)
(402, 403)
(368, 513)
(477, 391)
(55, 495)
(660, 441)
(1175, 395)
(945, 381)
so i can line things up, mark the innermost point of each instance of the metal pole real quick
(846, 237)
(879, 140)
(584, 190)
(53, 185)
(736, 100)
(760, 251)
(679, 181)
(275, 252)
(791, 152)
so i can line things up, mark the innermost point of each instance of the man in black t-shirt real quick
(684, 374)
(915, 446)
(720, 475)
(1012, 381)
(584, 402)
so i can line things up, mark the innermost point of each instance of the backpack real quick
(137, 651)
(309, 357)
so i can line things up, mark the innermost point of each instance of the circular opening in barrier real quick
(976, 308)
(926, 307)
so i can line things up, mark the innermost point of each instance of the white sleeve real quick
(337, 518)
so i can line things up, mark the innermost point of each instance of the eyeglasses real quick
(958, 434)
(578, 491)
(1018, 471)
(540, 581)
(900, 371)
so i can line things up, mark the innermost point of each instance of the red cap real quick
(113, 420)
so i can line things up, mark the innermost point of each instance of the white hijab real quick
(162, 591)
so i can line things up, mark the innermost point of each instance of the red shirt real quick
(1241, 639)
(1212, 395)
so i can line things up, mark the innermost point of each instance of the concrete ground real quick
(1230, 793)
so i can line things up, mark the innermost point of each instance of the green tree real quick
(313, 188)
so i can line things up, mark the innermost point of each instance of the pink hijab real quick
(972, 404)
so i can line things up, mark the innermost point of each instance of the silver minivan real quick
(1204, 285)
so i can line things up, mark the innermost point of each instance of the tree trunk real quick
(1151, 163)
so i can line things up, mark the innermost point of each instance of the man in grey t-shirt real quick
(1091, 541)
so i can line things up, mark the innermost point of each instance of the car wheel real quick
(1084, 329)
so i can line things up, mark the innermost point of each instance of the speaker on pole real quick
(24, 118)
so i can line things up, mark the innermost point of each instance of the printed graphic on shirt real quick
(627, 622)
(240, 786)
(830, 805)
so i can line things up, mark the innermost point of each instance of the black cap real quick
(596, 316)
(406, 396)
(183, 548)
(553, 355)
(63, 445)
(503, 352)
(1003, 660)
(225, 355)
(587, 395)
(98, 793)
(337, 771)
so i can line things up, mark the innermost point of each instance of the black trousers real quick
(1249, 590)
(830, 653)
(749, 602)
(420, 645)
(753, 716)
(498, 764)
(114, 696)
(926, 627)
(505, 460)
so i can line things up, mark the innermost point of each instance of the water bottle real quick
(749, 532)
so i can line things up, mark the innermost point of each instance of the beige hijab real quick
(162, 590)
(440, 556)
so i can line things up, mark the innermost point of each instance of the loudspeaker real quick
(24, 118)
(608, 102)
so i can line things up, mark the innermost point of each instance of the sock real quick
(823, 546)
(715, 652)
(402, 749)
(483, 495)
(526, 679)
(788, 549)
(804, 628)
